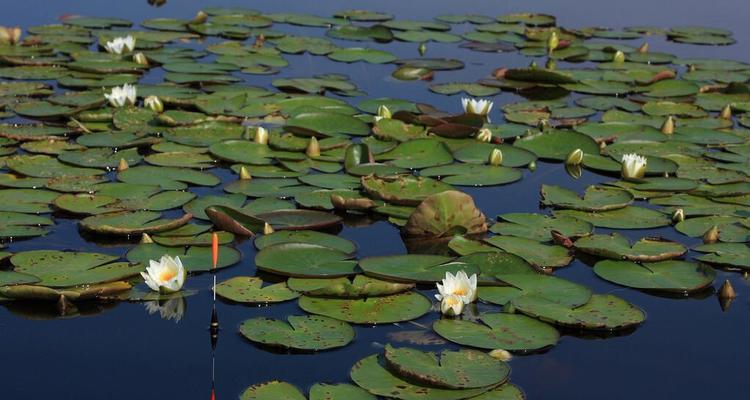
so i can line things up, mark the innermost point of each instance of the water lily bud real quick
(667, 127)
(643, 48)
(200, 17)
(496, 157)
(245, 174)
(678, 215)
(532, 65)
(384, 112)
(122, 165)
(261, 135)
(267, 229)
(726, 112)
(146, 239)
(532, 166)
(260, 41)
(501, 354)
(452, 305)
(140, 58)
(422, 49)
(552, 42)
(543, 124)
(154, 103)
(551, 64)
(691, 68)
(711, 235)
(10, 35)
(727, 290)
(313, 148)
(484, 135)
(619, 57)
(575, 157)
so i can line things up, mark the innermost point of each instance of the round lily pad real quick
(673, 276)
(308, 332)
(373, 310)
(305, 260)
(499, 331)
(248, 289)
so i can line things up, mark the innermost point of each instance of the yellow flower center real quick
(460, 292)
(167, 274)
(450, 300)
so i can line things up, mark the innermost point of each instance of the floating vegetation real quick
(155, 132)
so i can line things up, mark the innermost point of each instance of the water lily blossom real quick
(452, 305)
(633, 166)
(166, 275)
(459, 285)
(477, 106)
(120, 45)
(383, 113)
(122, 96)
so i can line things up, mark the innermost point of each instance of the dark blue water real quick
(687, 349)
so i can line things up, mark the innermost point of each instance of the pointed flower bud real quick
(643, 48)
(575, 157)
(667, 127)
(140, 58)
(267, 229)
(261, 135)
(726, 112)
(484, 135)
(313, 148)
(501, 354)
(619, 57)
(383, 113)
(200, 17)
(678, 215)
(496, 157)
(711, 235)
(154, 103)
(146, 239)
(122, 165)
(727, 290)
(552, 42)
(245, 174)
(422, 49)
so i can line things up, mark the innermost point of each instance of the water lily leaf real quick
(272, 390)
(549, 287)
(374, 310)
(499, 331)
(446, 214)
(539, 227)
(734, 255)
(306, 236)
(308, 332)
(418, 153)
(602, 312)
(34, 201)
(479, 153)
(451, 369)
(402, 190)
(168, 178)
(595, 198)
(630, 217)
(131, 223)
(327, 124)
(304, 260)
(100, 157)
(672, 276)
(557, 145)
(247, 289)
(618, 247)
(361, 286)
(418, 268)
(474, 175)
(371, 374)
(18, 225)
(57, 269)
(472, 89)
(341, 391)
(731, 229)
(194, 258)
(536, 253)
(354, 54)
(43, 166)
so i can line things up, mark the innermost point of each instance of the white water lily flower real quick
(120, 45)
(452, 305)
(477, 106)
(122, 96)
(459, 285)
(172, 309)
(165, 276)
(633, 166)
(154, 103)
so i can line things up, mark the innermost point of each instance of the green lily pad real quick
(602, 312)
(373, 310)
(618, 247)
(595, 198)
(539, 227)
(308, 332)
(63, 269)
(305, 260)
(417, 268)
(672, 276)
(630, 217)
(194, 258)
(499, 331)
(536, 253)
(461, 369)
(247, 289)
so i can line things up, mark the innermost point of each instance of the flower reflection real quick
(171, 309)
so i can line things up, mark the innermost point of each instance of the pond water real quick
(687, 348)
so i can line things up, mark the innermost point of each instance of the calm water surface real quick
(687, 349)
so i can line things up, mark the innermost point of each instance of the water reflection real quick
(156, 3)
(170, 309)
